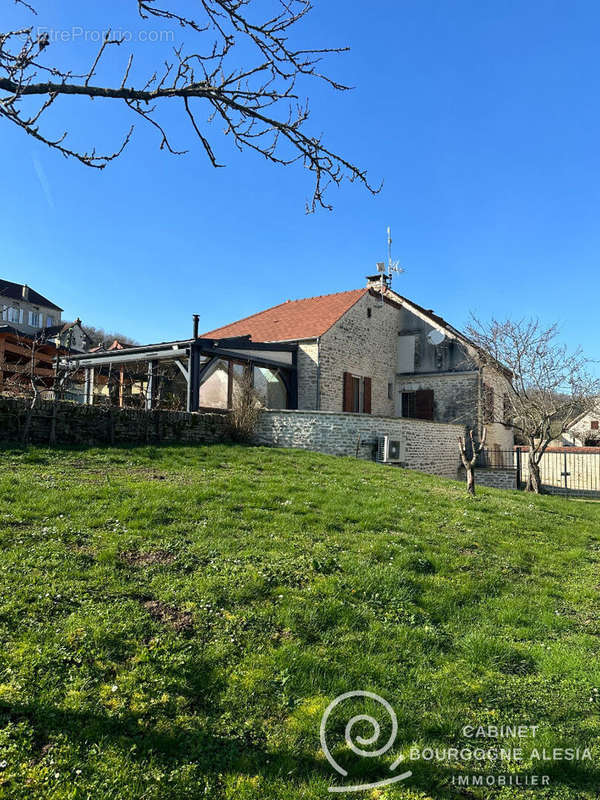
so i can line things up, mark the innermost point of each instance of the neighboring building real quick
(373, 351)
(25, 309)
(71, 336)
(31, 336)
(583, 431)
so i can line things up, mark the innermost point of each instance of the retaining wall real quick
(94, 425)
(428, 446)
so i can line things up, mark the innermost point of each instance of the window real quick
(369, 313)
(49, 321)
(356, 394)
(356, 404)
(594, 425)
(390, 391)
(409, 405)
(15, 314)
(35, 319)
(418, 405)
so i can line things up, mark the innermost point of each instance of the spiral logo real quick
(357, 744)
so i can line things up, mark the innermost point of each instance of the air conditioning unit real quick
(389, 451)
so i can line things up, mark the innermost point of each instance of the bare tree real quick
(243, 70)
(469, 459)
(551, 386)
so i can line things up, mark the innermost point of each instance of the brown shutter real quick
(348, 392)
(424, 404)
(367, 396)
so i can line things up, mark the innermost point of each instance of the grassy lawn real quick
(174, 622)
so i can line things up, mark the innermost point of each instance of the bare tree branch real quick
(257, 102)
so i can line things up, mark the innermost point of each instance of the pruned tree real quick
(469, 454)
(551, 385)
(236, 65)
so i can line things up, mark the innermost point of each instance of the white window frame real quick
(15, 314)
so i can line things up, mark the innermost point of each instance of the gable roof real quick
(292, 320)
(15, 292)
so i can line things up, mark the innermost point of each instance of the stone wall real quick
(493, 478)
(499, 436)
(428, 446)
(455, 395)
(94, 425)
(364, 345)
(308, 374)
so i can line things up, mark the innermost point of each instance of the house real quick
(71, 336)
(584, 431)
(26, 310)
(31, 336)
(373, 351)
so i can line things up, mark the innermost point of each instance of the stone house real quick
(26, 310)
(373, 351)
(584, 431)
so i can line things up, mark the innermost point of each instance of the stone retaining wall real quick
(493, 478)
(94, 425)
(428, 446)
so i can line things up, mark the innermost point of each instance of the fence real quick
(571, 471)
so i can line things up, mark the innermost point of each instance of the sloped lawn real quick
(174, 622)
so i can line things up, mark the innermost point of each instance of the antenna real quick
(393, 266)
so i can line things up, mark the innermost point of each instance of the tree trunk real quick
(534, 481)
(470, 479)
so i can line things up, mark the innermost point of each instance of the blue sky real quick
(481, 117)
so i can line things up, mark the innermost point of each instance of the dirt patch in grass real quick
(170, 615)
(134, 558)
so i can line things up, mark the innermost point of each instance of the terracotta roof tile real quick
(295, 319)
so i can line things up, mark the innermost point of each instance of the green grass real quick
(174, 621)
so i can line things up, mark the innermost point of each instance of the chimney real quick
(25, 292)
(375, 281)
(196, 319)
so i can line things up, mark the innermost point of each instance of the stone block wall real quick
(494, 478)
(308, 374)
(455, 395)
(364, 342)
(428, 446)
(94, 425)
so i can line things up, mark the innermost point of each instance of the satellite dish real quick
(435, 337)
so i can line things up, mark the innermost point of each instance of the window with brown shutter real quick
(424, 404)
(348, 392)
(367, 396)
(595, 425)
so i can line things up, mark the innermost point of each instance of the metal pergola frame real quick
(188, 355)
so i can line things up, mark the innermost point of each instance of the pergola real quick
(196, 359)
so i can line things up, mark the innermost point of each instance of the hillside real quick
(174, 622)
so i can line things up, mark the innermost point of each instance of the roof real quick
(292, 320)
(15, 292)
